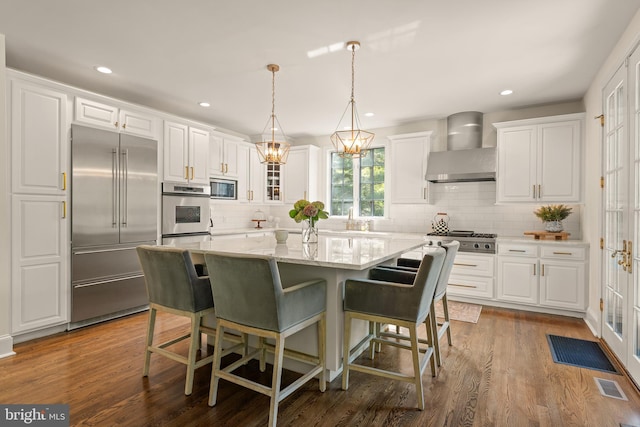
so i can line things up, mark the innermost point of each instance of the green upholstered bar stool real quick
(174, 287)
(399, 304)
(250, 299)
(411, 266)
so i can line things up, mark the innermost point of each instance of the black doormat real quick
(581, 353)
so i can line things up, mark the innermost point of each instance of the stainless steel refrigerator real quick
(114, 208)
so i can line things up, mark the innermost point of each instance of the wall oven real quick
(224, 189)
(185, 212)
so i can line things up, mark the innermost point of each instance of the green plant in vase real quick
(552, 216)
(308, 213)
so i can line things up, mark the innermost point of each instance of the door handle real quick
(64, 209)
(64, 181)
(629, 256)
(125, 187)
(114, 188)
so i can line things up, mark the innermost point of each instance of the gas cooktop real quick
(470, 241)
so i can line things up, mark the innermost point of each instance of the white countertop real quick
(338, 249)
(530, 239)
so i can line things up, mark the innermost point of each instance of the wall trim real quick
(6, 346)
(593, 322)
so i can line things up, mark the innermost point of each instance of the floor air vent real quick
(610, 389)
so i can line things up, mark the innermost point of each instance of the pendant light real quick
(271, 149)
(350, 140)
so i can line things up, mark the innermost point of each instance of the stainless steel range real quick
(470, 241)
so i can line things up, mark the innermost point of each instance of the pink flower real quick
(310, 210)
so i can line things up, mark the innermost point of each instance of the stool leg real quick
(345, 350)
(445, 306)
(193, 349)
(263, 353)
(150, 328)
(275, 383)
(434, 332)
(415, 353)
(322, 349)
(217, 359)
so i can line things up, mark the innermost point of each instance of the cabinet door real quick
(216, 159)
(96, 114)
(198, 156)
(176, 152)
(518, 280)
(256, 177)
(297, 177)
(559, 162)
(517, 151)
(244, 172)
(562, 284)
(408, 168)
(40, 286)
(39, 139)
(231, 157)
(139, 124)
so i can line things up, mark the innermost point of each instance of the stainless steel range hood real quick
(465, 160)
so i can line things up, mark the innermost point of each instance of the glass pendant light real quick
(273, 148)
(351, 140)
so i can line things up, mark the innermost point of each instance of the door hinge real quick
(601, 243)
(602, 182)
(601, 117)
(601, 304)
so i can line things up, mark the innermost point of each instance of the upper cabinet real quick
(409, 154)
(224, 155)
(301, 174)
(186, 154)
(39, 139)
(113, 118)
(539, 160)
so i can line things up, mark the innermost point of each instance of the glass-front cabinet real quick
(274, 182)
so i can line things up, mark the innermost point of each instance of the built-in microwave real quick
(224, 189)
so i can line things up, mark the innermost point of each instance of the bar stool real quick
(174, 287)
(250, 299)
(395, 303)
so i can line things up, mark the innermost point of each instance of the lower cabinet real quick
(472, 275)
(551, 276)
(40, 286)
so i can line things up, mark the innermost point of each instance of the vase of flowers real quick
(552, 216)
(308, 213)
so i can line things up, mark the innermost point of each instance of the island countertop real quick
(351, 251)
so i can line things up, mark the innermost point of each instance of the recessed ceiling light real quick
(369, 114)
(104, 70)
(204, 104)
(506, 92)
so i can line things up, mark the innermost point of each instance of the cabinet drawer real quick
(476, 265)
(562, 253)
(470, 286)
(515, 249)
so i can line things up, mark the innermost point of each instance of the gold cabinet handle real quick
(517, 250)
(64, 209)
(542, 270)
(222, 167)
(124, 126)
(534, 269)
(460, 285)
(192, 172)
(226, 168)
(562, 253)
(248, 195)
(629, 256)
(465, 265)
(186, 172)
(116, 124)
(251, 194)
(64, 181)
(534, 191)
(539, 191)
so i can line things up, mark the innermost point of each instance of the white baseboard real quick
(592, 319)
(6, 346)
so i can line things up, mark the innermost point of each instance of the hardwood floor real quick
(499, 372)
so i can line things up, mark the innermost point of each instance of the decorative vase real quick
(553, 226)
(309, 231)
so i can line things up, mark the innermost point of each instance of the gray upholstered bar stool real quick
(174, 287)
(411, 265)
(250, 299)
(398, 304)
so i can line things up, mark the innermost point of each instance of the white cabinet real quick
(545, 275)
(251, 175)
(224, 156)
(472, 275)
(301, 174)
(409, 154)
(186, 154)
(40, 259)
(113, 118)
(539, 160)
(39, 139)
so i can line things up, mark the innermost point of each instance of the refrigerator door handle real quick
(114, 187)
(125, 185)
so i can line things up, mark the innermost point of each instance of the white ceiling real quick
(420, 59)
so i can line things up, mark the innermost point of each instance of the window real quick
(358, 183)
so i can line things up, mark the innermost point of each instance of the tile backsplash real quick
(469, 205)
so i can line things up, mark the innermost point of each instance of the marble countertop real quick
(339, 249)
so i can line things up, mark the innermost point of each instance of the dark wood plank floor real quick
(499, 372)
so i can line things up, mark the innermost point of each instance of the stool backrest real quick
(171, 279)
(427, 279)
(247, 289)
(443, 280)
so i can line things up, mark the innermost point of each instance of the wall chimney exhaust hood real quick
(465, 160)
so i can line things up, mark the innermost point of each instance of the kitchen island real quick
(336, 257)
